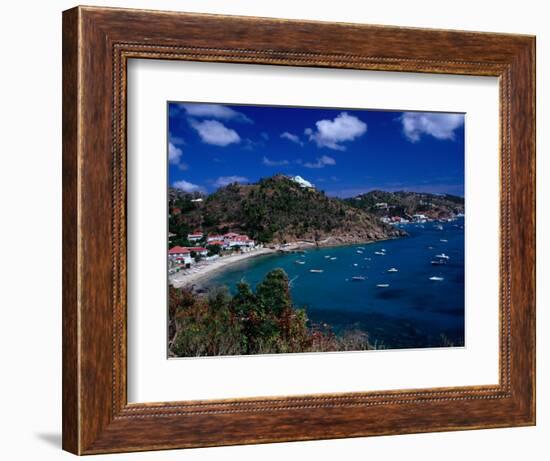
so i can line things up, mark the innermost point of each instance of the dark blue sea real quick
(411, 312)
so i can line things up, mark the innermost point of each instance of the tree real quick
(213, 249)
(261, 322)
(273, 292)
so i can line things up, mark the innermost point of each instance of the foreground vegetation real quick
(260, 322)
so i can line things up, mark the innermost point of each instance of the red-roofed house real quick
(214, 238)
(180, 255)
(238, 240)
(198, 250)
(195, 236)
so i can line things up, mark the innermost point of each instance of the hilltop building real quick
(302, 182)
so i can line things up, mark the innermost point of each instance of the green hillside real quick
(277, 210)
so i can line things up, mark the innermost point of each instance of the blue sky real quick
(344, 152)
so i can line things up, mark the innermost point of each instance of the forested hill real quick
(406, 204)
(276, 210)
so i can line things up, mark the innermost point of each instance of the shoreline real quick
(334, 242)
(200, 273)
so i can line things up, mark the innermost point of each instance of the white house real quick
(302, 182)
(232, 240)
(198, 250)
(214, 238)
(180, 255)
(195, 236)
(420, 218)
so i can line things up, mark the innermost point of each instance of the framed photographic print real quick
(280, 230)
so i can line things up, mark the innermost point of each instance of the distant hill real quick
(406, 204)
(276, 210)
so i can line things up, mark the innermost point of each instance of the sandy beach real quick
(199, 273)
(202, 271)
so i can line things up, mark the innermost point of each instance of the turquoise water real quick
(413, 311)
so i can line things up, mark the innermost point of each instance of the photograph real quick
(298, 229)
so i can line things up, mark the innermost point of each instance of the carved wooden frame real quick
(97, 43)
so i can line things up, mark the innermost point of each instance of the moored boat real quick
(439, 262)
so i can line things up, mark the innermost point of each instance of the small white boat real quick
(327, 256)
(438, 262)
(436, 279)
(299, 262)
(316, 271)
(443, 240)
(360, 252)
(383, 285)
(367, 259)
(334, 258)
(393, 269)
(355, 264)
(443, 256)
(361, 248)
(383, 249)
(358, 278)
(380, 253)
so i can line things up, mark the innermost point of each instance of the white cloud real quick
(292, 138)
(187, 186)
(216, 133)
(174, 153)
(226, 180)
(269, 162)
(214, 111)
(174, 156)
(440, 126)
(331, 133)
(321, 162)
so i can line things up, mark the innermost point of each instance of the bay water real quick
(390, 289)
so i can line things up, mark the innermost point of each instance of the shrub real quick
(261, 322)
